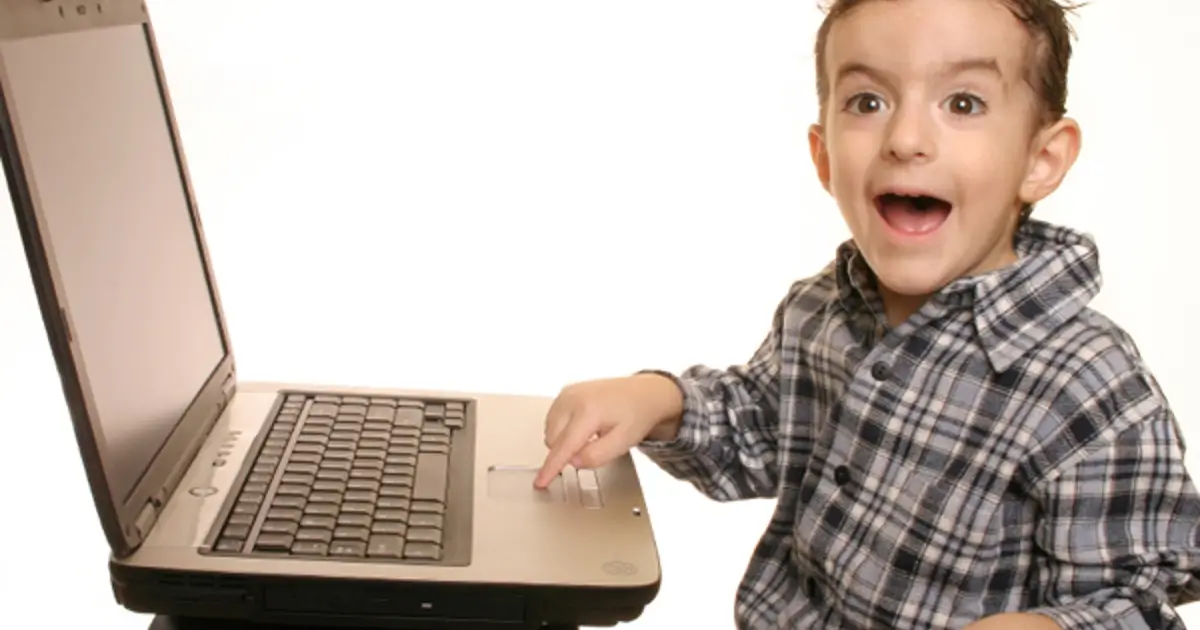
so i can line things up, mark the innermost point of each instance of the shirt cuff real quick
(686, 442)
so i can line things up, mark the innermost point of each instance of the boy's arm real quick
(725, 442)
(1120, 531)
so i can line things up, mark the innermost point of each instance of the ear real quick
(820, 154)
(1054, 152)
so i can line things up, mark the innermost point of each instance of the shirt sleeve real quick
(1119, 534)
(727, 442)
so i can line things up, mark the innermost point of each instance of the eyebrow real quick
(972, 64)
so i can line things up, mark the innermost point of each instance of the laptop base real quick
(233, 602)
(162, 622)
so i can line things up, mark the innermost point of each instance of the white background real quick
(553, 191)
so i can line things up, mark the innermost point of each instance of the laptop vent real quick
(202, 581)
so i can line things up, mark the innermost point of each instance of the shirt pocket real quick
(918, 547)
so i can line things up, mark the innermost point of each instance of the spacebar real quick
(430, 484)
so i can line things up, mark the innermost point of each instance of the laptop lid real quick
(121, 271)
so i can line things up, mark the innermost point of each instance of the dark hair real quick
(1048, 58)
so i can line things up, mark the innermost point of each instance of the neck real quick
(898, 307)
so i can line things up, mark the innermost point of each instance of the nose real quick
(910, 136)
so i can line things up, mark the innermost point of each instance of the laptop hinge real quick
(146, 519)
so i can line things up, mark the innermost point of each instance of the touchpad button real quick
(515, 483)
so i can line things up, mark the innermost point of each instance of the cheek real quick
(990, 172)
(850, 156)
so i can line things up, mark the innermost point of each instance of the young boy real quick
(954, 439)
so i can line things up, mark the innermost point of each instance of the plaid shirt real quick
(1005, 449)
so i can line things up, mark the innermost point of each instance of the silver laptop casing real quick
(553, 555)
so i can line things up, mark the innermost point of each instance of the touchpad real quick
(515, 483)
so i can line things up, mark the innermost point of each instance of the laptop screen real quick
(102, 162)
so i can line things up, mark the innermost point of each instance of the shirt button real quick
(811, 589)
(841, 475)
(880, 371)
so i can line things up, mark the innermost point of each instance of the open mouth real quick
(915, 214)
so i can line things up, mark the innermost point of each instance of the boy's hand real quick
(618, 412)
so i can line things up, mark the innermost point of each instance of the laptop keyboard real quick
(351, 477)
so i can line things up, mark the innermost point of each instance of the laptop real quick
(267, 502)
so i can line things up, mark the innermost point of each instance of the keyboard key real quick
(325, 497)
(273, 542)
(366, 473)
(389, 527)
(323, 409)
(430, 484)
(237, 532)
(348, 548)
(284, 514)
(392, 515)
(401, 442)
(397, 480)
(392, 503)
(241, 519)
(360, 496)
(327, 486)
(289, 502)
(312, 534)
(332, 474)
(409, 417)
(427, 447)
(344, 533)
(402, 492)
(310, 548)
(422, 551)
(318, 522)
(369, 485)
(381, 412)
(358, 508)
(424, 534)
(340, 465)
(298, 468)
(426, 520)
(385, 546)
(321, 509)
(429, 507)
(354, 520)
(299, 479)
(280, 527)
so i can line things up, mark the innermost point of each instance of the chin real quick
(914, 284)
(911, 275)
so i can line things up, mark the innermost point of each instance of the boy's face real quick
(928, 141)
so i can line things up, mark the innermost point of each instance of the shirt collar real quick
(1015, 308)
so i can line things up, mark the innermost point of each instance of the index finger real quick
(571, 440)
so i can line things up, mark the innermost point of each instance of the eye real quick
(865, 103)
(964, 104)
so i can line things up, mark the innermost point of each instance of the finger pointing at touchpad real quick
(515, 483)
